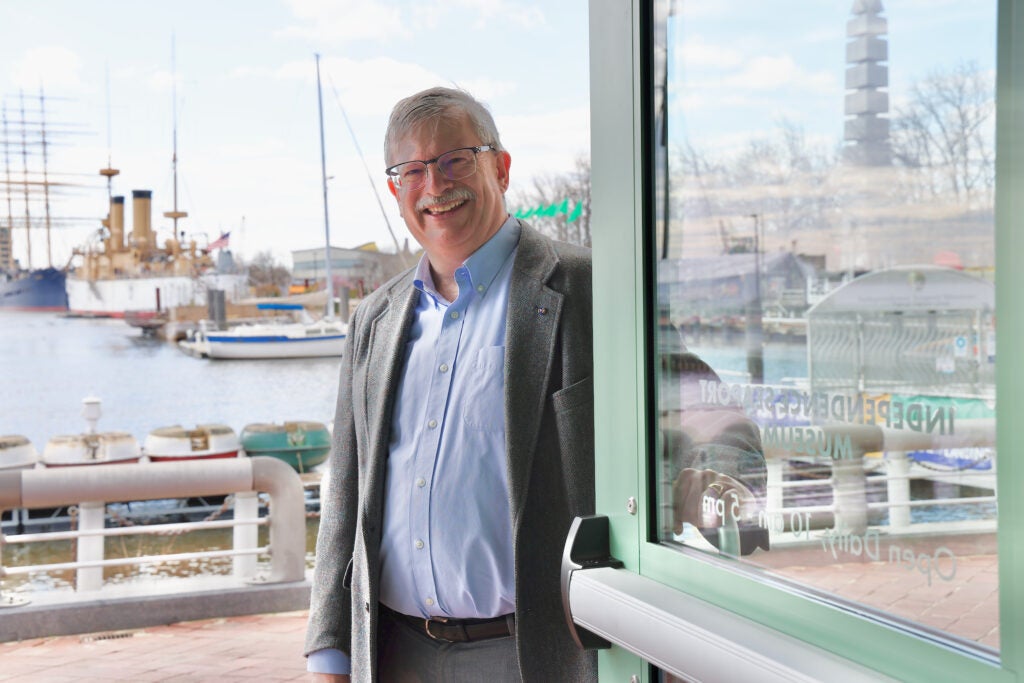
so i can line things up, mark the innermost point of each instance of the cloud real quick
(372, 86)
(365, 87)
(162, 80)
(343, 21)
(51, 67)
(544, 143)
(487, 11)
(697, 52)
(770, 73)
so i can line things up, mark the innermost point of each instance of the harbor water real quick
(51, 362)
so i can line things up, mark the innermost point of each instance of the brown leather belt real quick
(456, 630)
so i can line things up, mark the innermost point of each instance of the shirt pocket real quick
(485, 396)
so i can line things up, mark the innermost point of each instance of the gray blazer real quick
(549, 440)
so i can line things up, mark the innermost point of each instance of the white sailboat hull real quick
(243, 348)
(311, 339)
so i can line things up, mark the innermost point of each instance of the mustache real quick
(453, 195)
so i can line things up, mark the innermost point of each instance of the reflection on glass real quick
(825, 266)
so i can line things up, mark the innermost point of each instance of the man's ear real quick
(392, 188)
(504, 163)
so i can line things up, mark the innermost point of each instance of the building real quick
(361, 269)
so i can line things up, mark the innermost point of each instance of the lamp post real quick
(754, 327)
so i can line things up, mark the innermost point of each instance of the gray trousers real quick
(408, 655)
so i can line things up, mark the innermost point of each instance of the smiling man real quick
(463, 438)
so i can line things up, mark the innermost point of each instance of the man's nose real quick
(435, 178)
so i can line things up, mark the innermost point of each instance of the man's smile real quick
(450, 201)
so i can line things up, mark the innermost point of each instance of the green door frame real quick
(621, 209)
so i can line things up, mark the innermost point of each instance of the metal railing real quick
(847, 479)
(91, 487)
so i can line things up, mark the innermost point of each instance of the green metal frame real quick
(619, 215)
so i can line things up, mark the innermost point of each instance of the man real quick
(463, 439)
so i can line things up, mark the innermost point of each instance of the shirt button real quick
(419, 544)
(429, 601)
(444, 367)
(432, 424)
(454, 315)
(480, 288)
(421, 482)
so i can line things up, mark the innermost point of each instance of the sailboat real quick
(300, 337)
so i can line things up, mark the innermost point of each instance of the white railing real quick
(90, 488)
(848, 477)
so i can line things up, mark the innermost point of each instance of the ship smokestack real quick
(116, 224)
(142, 232)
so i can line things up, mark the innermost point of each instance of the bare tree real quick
(800, 193)
(559, 205)
(267, 277)
(782, 178)
(944, 136)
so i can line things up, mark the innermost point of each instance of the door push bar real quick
(585, 548)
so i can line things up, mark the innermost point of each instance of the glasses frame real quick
(392, 171)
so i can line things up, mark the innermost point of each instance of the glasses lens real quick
(457, 163)
(411, 174)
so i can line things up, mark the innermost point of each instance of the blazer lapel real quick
(534, 311)
(388, 333)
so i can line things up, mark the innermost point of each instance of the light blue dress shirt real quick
(446, 548)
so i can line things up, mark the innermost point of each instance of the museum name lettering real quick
(820, 406)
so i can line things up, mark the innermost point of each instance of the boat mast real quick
(109, 172)
(9, 265)
(323, 174)
(24, 176)
(175, 214)
(46, 176)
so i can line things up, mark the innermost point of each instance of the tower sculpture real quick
(866, 130)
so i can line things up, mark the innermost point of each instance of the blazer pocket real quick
(574, 417)
(574, 396)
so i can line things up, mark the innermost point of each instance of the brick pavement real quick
(264, 647)
(268, 647)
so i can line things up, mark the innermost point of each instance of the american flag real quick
(221, 242)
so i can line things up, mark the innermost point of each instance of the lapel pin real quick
(542, 310)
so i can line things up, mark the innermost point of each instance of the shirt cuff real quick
(328, 661)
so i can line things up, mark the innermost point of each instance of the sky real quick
(730, 71)
(239, 78)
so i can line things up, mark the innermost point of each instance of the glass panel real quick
(824, 260)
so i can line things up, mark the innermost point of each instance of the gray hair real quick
(439, 103)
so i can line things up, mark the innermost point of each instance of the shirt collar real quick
(482, 265)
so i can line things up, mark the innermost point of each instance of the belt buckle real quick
(426, 628)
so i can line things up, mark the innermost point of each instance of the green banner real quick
(552, 210)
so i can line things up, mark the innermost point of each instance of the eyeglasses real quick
(454, 165)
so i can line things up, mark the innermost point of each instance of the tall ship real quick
(27, 190)
(119, 273)
(131, 276)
